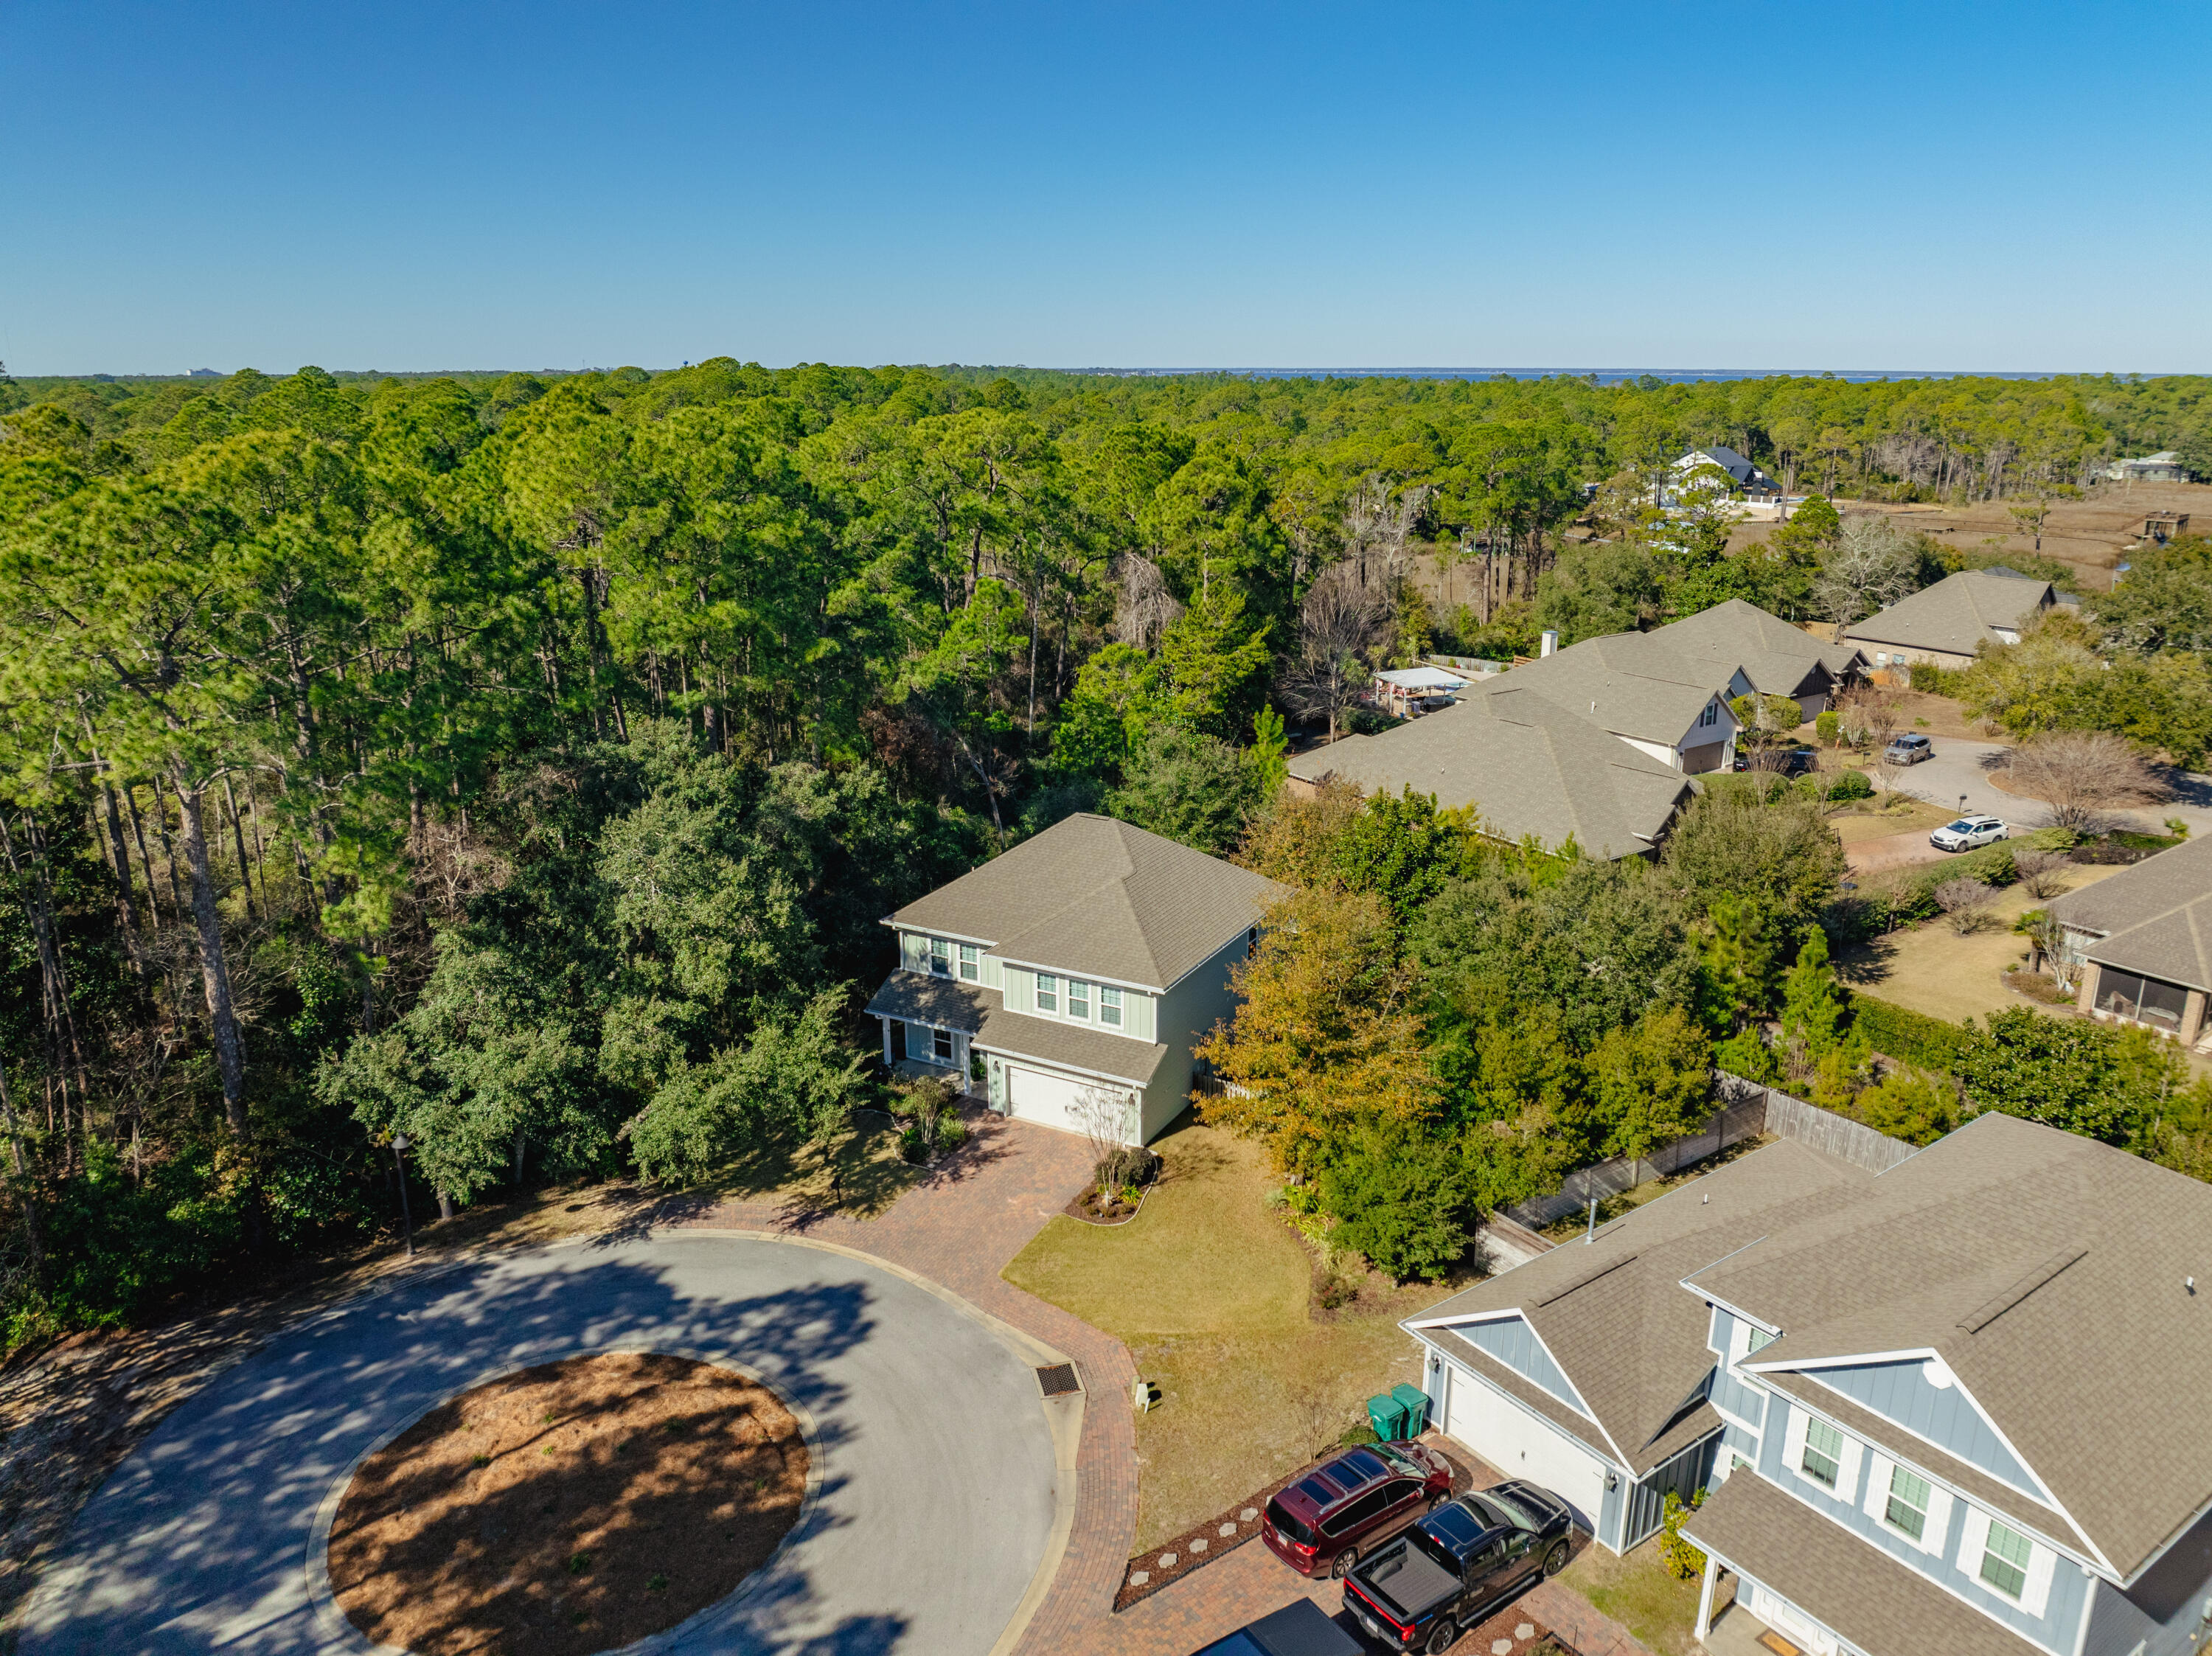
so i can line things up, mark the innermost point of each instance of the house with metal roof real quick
(1087, 963)
(1945, 624)
(1531, 768)
(2141, 940)
(1953, 1406)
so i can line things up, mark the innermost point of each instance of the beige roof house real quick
(1946, 623)
(1090, 959)
(1639, 687)
(1777, 658)
(1530, 767)
(2145, 937)
(1953, 1405)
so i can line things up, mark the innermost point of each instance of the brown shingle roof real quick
(1778, 659)
(1099, 898)
(1530, 767)
(1956, 614)
(1855, 1590)
(947, 1004)
(1634, 684)
(2156, 916)
(2085, 1374)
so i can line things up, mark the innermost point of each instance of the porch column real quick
(2087, 1000)
(1705, 1597)
(886, 1022)
(2192, 1017)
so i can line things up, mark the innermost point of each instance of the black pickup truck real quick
(1456, 1565)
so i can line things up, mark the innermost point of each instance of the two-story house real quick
(1091, 959)
(1957, 1406)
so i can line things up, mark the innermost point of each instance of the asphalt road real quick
(937, 1464)
(1961, 767)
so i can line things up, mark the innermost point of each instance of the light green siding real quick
(1142, 1010)
(1020, 987)
(913, 951)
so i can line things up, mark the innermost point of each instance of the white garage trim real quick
(1048, 1096)
(1521, 1443)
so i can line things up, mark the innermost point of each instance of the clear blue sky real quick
(402, 185)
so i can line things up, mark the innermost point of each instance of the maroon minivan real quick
(1316, 1525)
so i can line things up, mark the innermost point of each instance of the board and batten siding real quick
(1900, 1392)
(1513, 1342)
(2054, 1629)
(2164, 1615)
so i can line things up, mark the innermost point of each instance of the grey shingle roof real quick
(1856, 1590)
(942, 1002)
(1955, 614)
(1098, 897)
(1778, 659)
(1529, 766)
(2156, 916)
(1613, 1311)
(2085, 1374)
(1634, 684)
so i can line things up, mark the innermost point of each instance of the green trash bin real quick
(1387, 1416)
(1414, 1402)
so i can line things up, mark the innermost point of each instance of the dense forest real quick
(523, 762)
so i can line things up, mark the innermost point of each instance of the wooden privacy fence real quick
(1747, 1109)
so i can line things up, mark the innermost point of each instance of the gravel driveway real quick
(937, 1494)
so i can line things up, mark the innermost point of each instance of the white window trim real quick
(1876, 1506)
(1847, 1462)
(2042, 1563)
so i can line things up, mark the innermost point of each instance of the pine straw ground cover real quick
(568, 1509)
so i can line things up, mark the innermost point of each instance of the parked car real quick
(1301, 1627)
(1968, 832)
(1908, 750)
(1798, 761)
(1458, 1564)
(1318, 1525)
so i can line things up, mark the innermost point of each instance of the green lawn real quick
(1637, 1591)
(1209, 1288)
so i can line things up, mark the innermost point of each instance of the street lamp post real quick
(406, 1219)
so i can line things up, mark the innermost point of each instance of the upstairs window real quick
(1048, 992)
(1906, 1509)
(1823, 1459)
(971, 962)
(1710, 716)
(1079, 1000)
(941, 957)
(1109, 1006)
(2004, 1560)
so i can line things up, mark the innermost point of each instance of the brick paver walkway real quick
(960, 1227)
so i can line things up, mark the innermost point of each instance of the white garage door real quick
(1520, 1445)
(1050, 1099)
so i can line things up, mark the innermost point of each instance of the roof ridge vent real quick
(1994, 1307)
(1583, 1279)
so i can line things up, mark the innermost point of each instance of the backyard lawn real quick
(1637, 1591)
(1209, 1289)
(1931, 968)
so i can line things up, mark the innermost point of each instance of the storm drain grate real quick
(1058, 1380)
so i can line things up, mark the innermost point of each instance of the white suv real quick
(1968, 832)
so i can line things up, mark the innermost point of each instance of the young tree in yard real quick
(2040, 873)
(1326, 1037)
(1813, 1003)
(1767, 721)
(1779, 851)
(1966, 902)
(1104, 1114)
(1908, 1105)
(1872, 566)
(1329, 673)
(1401, 1192)
(2079, 774)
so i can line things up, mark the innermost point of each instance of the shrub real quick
(1912, 1037)
(1400, 1196)
(2038, 870)
(1934, 680)
(1850, 784)
(1966, 901)
(912, 1146)
(1906, 1104)
(951, 1132)
(1684, 1562)
(1829, 727)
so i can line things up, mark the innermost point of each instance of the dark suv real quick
(1317, 1525)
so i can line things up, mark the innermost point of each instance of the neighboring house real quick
(2141, 940)
(2163, 467)
(1953, 1407)
(1776, 657)
(1408, 691)
(1636, 685)
(1744, 478)
(1091, 959)
(2160, 527)
(1529, 767)
(1946, 623)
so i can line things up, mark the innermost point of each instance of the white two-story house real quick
(1957, 1406)
(1091, 959)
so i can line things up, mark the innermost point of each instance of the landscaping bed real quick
(568, 1509)
(1226, 1531)
(1115, 1207)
